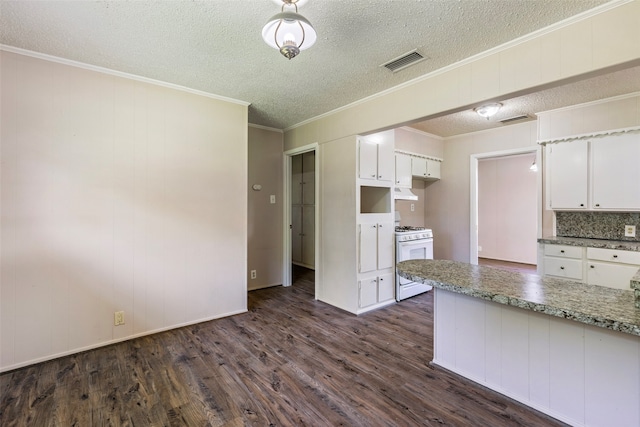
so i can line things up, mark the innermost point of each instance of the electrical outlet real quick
(118, 318)
(629, 231)
(254, 274)
(479, 248)
(413, 207)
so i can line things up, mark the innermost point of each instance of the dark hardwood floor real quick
(508, 265)
(288, 361)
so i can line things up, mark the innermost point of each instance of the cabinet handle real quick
(373, 176)
(562, 251)
(379, 176)
(581, 205)
(380, 225)
(381, 279)
(561, 267)
(592, 266)
(597, 205)
(374, 226)
(615, 256)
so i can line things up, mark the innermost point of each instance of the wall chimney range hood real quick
(403, 194)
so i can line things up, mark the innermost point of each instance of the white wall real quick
(116, 195)
(451, 199)
(507, 207)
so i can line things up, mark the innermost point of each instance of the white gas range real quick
(412, 243)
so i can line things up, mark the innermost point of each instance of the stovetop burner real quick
(405, 228)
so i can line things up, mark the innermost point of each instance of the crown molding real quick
(512, 43)
(115, 73)
(421, 132)
(590, 103)
(251, 125)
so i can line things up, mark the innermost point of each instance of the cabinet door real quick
(433, 169)
(368, 160)
(368, 247)
(368, 291)
(386, 161)
(386, 245)
(386, 287)
(419, 167)
(568, 175)
(611, 275)
(615, 172)
(403, 170)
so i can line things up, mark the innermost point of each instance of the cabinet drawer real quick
(610, 274)
(614, 255)
(567, 268)
(563, 251)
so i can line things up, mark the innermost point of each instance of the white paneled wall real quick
(578, 373)
(117, 195)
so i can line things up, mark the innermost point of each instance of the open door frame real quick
(473, 238)
(286, 267)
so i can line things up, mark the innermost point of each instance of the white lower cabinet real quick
(376, 289)
(594, 266)
(611, 268)
(563, 261)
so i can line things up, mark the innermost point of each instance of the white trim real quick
(508, 45)
(591, 135)
(251, 125)
(473, 193)
(590, 103)
(108, 71)
(115, 341)
(421, 132)
(422, 156)
(286, 239)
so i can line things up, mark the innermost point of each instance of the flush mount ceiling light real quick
(289, 32)
(488, 110)
(533, 167)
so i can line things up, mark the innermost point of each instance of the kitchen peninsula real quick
(567, 349)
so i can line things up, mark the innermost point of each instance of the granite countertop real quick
(594, 305)
(593, 243)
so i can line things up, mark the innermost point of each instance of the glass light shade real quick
(291, 26)
(533, 167)
(488, 110)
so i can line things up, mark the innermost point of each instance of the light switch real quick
(273, 199)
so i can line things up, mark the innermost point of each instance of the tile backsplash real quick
(597, 225)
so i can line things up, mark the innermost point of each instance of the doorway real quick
(506, 206)
(301, 217)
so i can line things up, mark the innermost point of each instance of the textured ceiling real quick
(215, 46)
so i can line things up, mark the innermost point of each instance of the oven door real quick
(415, 249)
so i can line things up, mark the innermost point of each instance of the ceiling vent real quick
(404, 61)
(514, 119)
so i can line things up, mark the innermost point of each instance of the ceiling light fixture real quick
(488, 110)
(289, 32)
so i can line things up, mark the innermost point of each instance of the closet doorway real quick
(301, 229)
(303, 209)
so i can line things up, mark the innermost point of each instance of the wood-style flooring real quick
(508, 265)
(288, 361)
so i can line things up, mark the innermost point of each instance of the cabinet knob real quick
(381, 279)
(581, 205)
(562, 251)
(380, 225)
(592, 266)
(379, 176)
(373, 176)
(561, 267)
(597, 205)
(615, 256)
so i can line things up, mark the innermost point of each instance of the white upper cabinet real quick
(567, 173)
(425, 168)
(376, 159)
(403, 170)
(616, 172)
(597, 174)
